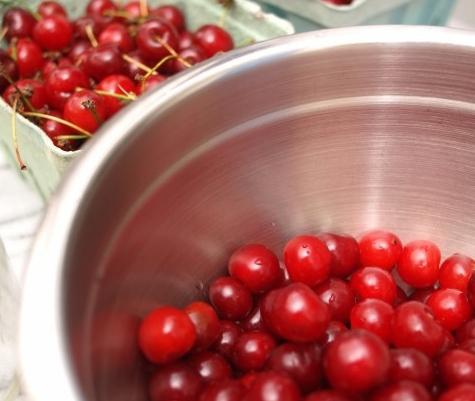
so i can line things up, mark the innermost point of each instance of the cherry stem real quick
(156, 67)
(224, 16)
(14, 135)
(91, 36)
(172, 51)
(58, 120)
(246, 42)
(72, 137)
(3, 33)
(143, 8)
(118, 13)
(131, 60)
(128, 97)
(17, 89)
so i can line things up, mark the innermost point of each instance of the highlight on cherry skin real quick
(326, 318)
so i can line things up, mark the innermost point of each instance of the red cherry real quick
(307, 260)
(62, 83)
(374, 316)
(254, 321)
(404, 390)
(100, 8)
(248, 379)
(256, 267)
(450, 307)
(411, 364)
(374, 282)
(380, 249)
(86, 109)
(102, 61)
(175, 382)
(449, 342)
(471, 290)
(456, 272)
(150, 37)
(414, 327)
(230, 298)
(466, 331)
(229, 390)
(457, 367)
(295, 313)
(53, 33)
(134, 71)
(228, 336)
(49, 8)
(339, 297)
(186, 40)
(214, 39)
(78, 51)
(55, 129)
(345, 253)
(210, 366)
(29, 58)
(302, 362)
(467, 345)
(133, 9)
(273, 386)
(18, 22)
(151, 83)
(192, 55)
(419, 264)
(116, 84)
(327, 395)
(117, 34)
(206, 323)
(33, 90)
(357, 361)
(334, 329)
(461, 392)
(166, 334)
(9, 68)
(82, 23)
(172, 15)
(252, 350)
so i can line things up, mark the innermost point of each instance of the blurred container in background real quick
(318, 14)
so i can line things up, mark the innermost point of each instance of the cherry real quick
(118, 84)
(295, 313)
(98, 9)
(8, 68)
(172, 15)
(374, 316)
(248, 379)
(133, 9)
(49, 8)
(103, 61)
(374, 282)
(206, 323)
(227, 339)
(185, 40)
(55, 129)
(401, 297)
(380, 249)
(151, 83)
(450, 307)
(214, 39)
(466, 331)
(339, 297)
(210, 366)
(334, 329)
(33, 90)
(302, 362)
(254, 321)
(78, 51)
(82, 23)
(467, 345)
(175, 382)
(62, 83)
(256, 267)
(344, 251)
(449, 342)
(307, 260)
(273, 386)
(117, 34)
(404, 390)
(252, 350)
(414, 327)
(18, 22)
(456, 272)
(192, 55)
(151, 36)
(327, 395)
(230, 298)
(229, 390)
(411, 364)
(53, 33)
(86, 109)
(419, 264)
(134, 71)
(457, 367)
(471, 290)
(356, 361)
(461, 392)
(166, 334)
(29, 57)
(422, 294)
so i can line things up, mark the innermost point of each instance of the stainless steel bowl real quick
(337, 130)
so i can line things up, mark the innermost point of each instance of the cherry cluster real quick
(337, 320)
(71, 76)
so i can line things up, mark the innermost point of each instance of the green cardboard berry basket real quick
(45, 163)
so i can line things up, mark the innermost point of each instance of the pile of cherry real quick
(339, 320)
(71, 76)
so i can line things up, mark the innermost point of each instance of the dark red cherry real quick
(345, 253)
(172, 15)
(133, 9)
(213, 39)
(206, 323)
(32, 90)
(210, 366)
(334, 329)
(229, 333)
(254, 321)
(456, 272)
(252, 350)
(339, 297)
(80, 27)
(403, 390)
(18, 22)
(230, 298)
(151, 83)
(411, 364)
(273, 386)
(8, 68)
(151, 36)
(228, 390)
(460, 392)
(56, 130)
(327, 395)
(186, 40)
(117, 34)
(466, 331)
(78, 51)
(450, 307)
(192, 55)
(49, 8)
(457, 367)
(103, 61)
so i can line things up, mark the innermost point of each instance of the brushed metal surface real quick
(340, 130)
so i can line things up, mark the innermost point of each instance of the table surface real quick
(21, 208)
